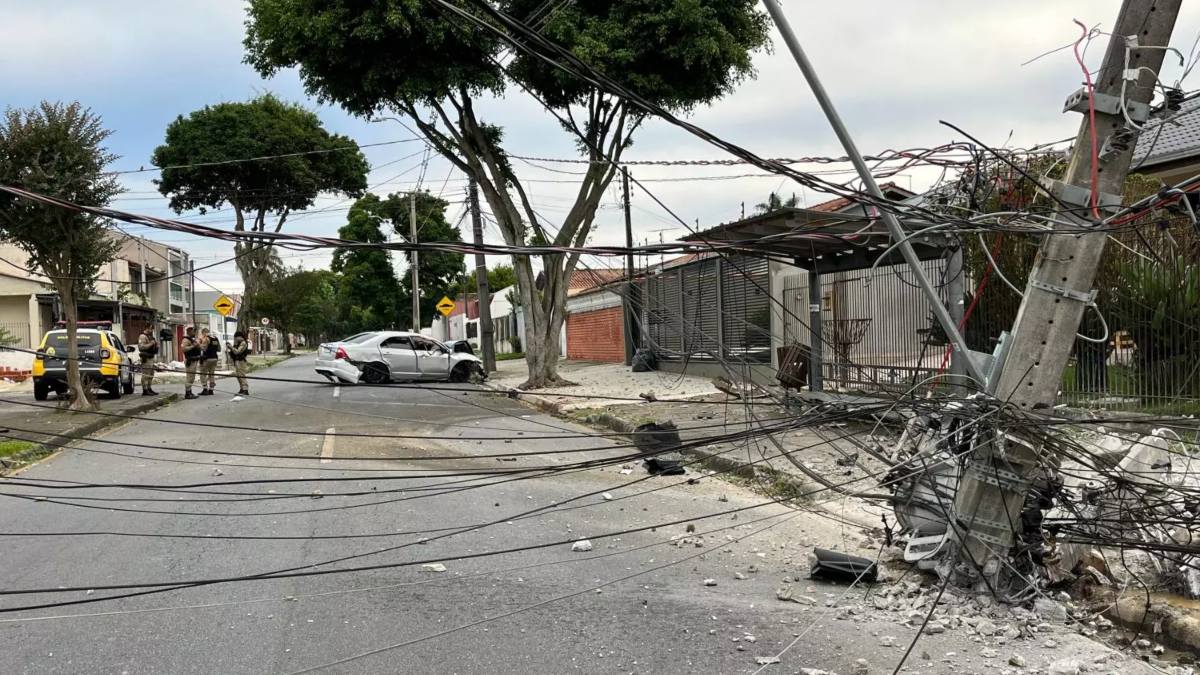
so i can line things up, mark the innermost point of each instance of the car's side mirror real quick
(130, 349)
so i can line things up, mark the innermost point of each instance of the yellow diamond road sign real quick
(224, 305)
(445, 306)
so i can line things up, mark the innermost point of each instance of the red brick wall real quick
(596, 336)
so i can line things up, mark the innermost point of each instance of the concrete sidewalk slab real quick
(22, 418)
(602, 382)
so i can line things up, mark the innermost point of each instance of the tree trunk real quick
(79, 399)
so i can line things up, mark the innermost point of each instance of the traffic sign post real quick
(224, 305)
(445, 306)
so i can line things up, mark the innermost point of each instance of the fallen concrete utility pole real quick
(1059, 290)
(864, 173)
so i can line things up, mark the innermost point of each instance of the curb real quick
(24, 460)
(779, 480)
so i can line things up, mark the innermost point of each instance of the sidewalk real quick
(598, 379)
(27, 422)
(820, 453)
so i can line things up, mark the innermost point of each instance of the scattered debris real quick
(434, 567)
(843, 567)
(710, 582)
(581, 546)
(787, 594)
(766, 660)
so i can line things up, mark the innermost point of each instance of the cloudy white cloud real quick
(894, 70)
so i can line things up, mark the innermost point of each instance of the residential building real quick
(146, 283)
(595, 315)
(738, 314)
(1170, 150)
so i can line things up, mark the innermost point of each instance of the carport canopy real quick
(822, 242)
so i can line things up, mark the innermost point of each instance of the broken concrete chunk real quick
(788, 594)
(1016, 660)
(1050, 610)
(710, 582)
(434, 567)
(766, 660)
(581, 546)
(1066, 667)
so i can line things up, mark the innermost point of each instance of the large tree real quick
(369, 295)
(264, 159)
(439, 272)
(300, 302)
(423, 62)
(58, 150)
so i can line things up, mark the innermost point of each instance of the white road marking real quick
(337, 391)
(327, 446)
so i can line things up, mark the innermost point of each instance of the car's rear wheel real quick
(376, 373)
(113, 389)
(127, 387)
(41, 391)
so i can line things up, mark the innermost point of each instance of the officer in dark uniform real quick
(147, 348)
(192, 353)
(211, 347)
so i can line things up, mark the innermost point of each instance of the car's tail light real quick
(341, 354)
(105, 354)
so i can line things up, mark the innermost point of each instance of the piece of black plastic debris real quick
(653, 437)
(644, 361)
(657, 466)
(837, 566)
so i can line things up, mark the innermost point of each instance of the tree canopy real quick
(440, 271)
(301, 301)
(263, 158)
(775, 202)
(369, 295)
(58, 149)
(423, 62)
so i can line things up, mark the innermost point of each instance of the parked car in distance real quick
(394, 356)
(104, 362)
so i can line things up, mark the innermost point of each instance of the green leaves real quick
(369, 54)
(264, 127)
(57, 149)
(369, 296)
(676, 53)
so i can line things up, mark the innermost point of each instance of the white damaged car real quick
(380, 357)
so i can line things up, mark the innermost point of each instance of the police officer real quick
(208, 363)
(147, 347)
(192, 352)
(238, 351)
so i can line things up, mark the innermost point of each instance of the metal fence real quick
(15, 334)
(879, 333)
(717, 309)
(875, 326)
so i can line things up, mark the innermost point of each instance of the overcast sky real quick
(893, 74)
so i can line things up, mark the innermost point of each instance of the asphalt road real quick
(636, 603)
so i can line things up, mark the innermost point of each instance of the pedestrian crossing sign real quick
(224, 305)
(445, 306)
